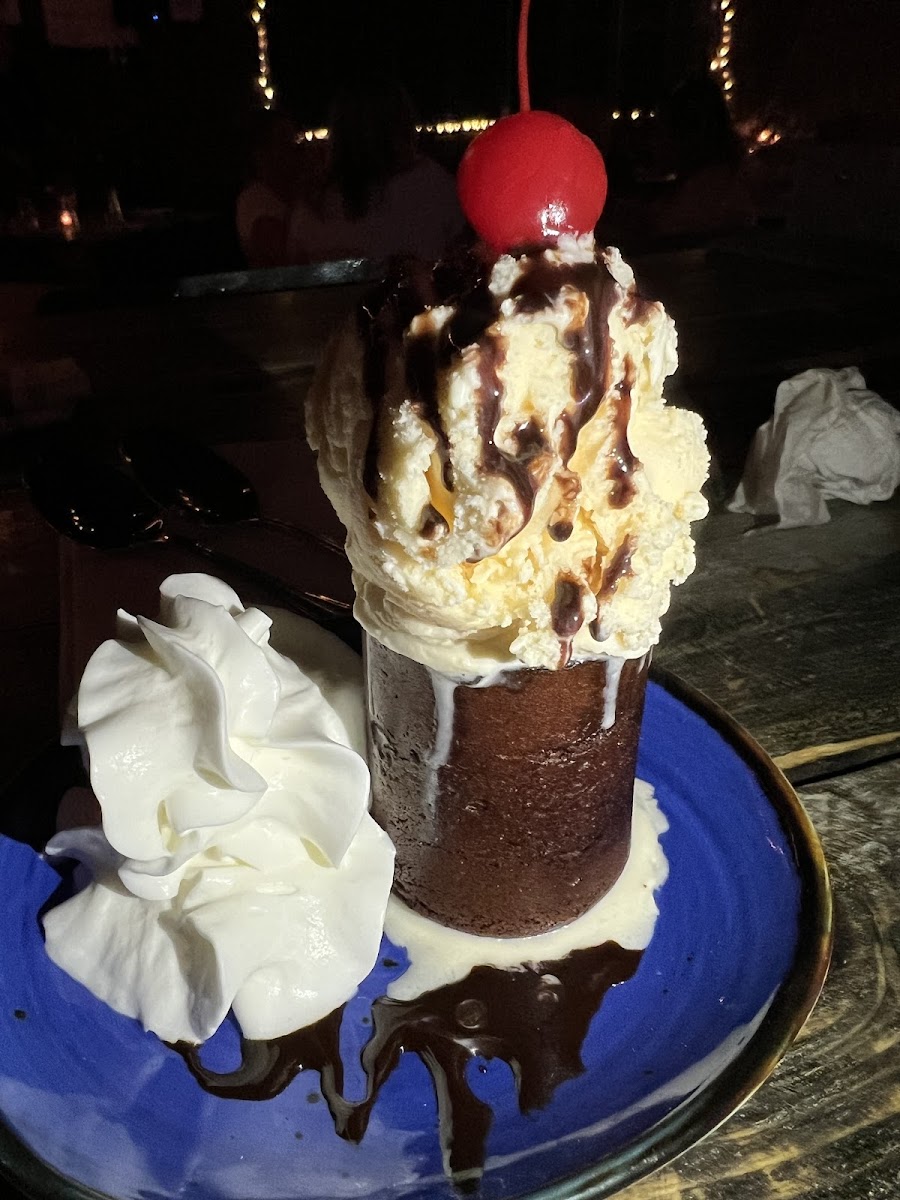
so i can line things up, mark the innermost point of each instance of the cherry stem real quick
(524, 97)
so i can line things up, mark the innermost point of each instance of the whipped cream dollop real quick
(238, 866)
(515, 489)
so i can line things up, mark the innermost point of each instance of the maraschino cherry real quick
(531, 176)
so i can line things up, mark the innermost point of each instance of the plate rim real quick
(700, 1115)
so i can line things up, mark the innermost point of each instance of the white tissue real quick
(830, 438)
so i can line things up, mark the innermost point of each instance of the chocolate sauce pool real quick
(534, 1017)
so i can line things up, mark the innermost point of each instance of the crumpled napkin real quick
(830, 438)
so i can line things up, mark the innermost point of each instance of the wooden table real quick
(793, 632)
(749, 314)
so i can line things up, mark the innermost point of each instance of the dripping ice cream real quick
(518, 498)
(238, 866)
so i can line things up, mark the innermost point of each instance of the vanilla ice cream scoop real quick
(238, 866)
(515, 490)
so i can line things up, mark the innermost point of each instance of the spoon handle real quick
(308, 604)
(290, 530)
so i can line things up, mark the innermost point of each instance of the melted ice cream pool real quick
(626, 915)
(237, 867)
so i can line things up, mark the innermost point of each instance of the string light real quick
(635, 114)
(762, 139)
(264, 90)
(443, 128)
(468, 125)
(465, 125)
(720, 64)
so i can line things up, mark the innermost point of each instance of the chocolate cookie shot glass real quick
(509, 805)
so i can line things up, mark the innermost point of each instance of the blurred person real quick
(382, 197)
(704, 152)
(264, 204)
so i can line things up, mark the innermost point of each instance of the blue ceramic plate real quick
(92, 1105)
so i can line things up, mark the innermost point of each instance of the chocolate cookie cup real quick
(510, 804)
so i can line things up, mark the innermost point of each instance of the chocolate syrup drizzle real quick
(561, 531)
(565, 614)
(539, 287)
(617, 569)
(422, 385)
(529, 437)
(382, 318)
(622, 458)
(434, 524)
(534, 1017)
(388, 312)
(465, 286)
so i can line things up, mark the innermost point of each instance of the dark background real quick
(159, 107)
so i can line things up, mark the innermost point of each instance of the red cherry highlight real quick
(530, 178)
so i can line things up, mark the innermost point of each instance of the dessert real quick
(237, 867)
(518, 499)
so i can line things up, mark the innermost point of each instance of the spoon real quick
(181, 473)
(97, 505)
